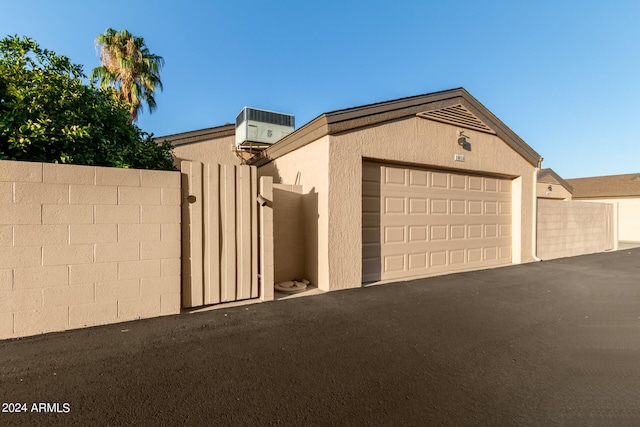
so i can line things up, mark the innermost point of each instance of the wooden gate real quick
(219, 233)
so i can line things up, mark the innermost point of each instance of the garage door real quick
(418, 222)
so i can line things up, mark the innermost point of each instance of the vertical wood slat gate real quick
(219, 233)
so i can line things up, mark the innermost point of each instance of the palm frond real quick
(130, 68)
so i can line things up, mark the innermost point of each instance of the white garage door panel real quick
(419, 222)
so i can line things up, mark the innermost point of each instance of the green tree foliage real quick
(48, 114)
(129, 68)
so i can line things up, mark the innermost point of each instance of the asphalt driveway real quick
(551, 343)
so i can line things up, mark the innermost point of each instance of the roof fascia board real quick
(502, 130)
(558, 178)
(315, 129)
(397, 105)
(354, 124)
(199, 135)
(349, 120)
(607, 196)
(352, 119)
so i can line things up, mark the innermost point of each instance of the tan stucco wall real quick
(345, 214)
(414, 141)
(82, 246)
(427, 142)
(628, 219)
(220, 150)
(420, 142)
(558, 191)
(309, 167)
(288, 226)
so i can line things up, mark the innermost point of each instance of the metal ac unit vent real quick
(260, 128)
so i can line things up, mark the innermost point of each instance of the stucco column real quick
(266, 239)
(345, 215)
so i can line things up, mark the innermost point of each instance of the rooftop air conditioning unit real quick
(261, 128)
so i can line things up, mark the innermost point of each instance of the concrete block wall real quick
(83, 246)
(628, 213)
(571, 228)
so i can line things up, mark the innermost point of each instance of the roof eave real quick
(351, 119)
(199, 135)
(558, 178)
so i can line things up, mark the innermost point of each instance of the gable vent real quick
(457, 115)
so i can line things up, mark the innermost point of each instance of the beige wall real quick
(220, 150)
(309, 167)
(558, 191)
(332, 166)
(83, 246)
(628, 218)
(628, 214)
(570, 228)
(288, 226)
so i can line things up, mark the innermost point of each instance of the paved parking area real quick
(550, 343)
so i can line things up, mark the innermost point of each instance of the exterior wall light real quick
(462, 141)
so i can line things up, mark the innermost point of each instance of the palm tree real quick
(129, 68)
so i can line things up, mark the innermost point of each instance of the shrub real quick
(48, 114)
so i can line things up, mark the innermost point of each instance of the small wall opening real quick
(288, 227)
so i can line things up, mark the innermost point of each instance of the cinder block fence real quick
(83, 245)
(570, 228)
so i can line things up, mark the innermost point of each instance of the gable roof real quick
(200, 135)
(549, 176)
(472, 115)
(627, 185)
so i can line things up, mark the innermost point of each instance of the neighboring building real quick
(622, 190)
(216, 145)
(552, 186)
(568, 227)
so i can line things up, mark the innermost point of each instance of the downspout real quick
(534, 243)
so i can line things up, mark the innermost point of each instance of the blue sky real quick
(563, 75)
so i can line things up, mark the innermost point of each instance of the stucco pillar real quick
(266, 239)
(345, 215)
